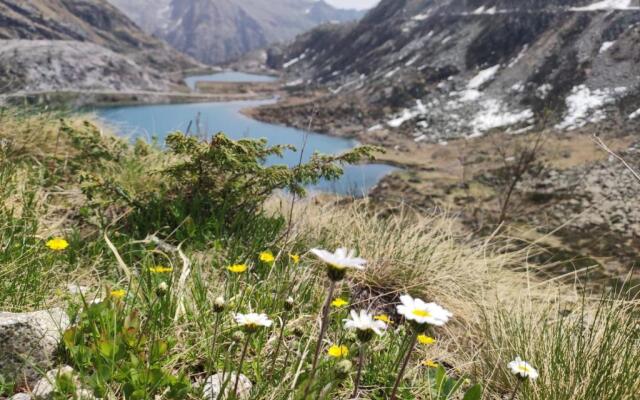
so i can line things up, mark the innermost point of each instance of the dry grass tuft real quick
(502, 307)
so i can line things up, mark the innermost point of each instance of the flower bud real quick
(219, 304)
(343, 369)
(238, 336)
(289, 303)
(162, 289)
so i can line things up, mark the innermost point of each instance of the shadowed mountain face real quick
(217, 31)
(456, 67)
(88, 44)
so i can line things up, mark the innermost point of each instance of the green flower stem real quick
(356, 388)
(515, 390)
(323, 331)
(412, 345)
(280, 337)
(214, 353)
(242, 357)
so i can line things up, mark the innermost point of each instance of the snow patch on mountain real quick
(606, 46)
(483, 77)
(497, 115)
(584, 106)
(608, 5)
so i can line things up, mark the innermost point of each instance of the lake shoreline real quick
(79, 99)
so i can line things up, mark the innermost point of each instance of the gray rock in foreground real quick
(214, 384)
(28, 343)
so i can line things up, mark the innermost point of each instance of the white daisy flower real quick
(253, 321)
(341, 259)
(523, 369)
(422, 313)
(364, 322)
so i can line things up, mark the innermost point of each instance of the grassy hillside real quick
(156, 238)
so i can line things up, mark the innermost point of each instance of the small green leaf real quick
(474, 393)
(106, 349)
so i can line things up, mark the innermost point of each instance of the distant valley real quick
(218, 31)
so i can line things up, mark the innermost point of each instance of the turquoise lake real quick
(157, 121)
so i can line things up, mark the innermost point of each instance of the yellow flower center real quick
(424, 339)
(237, 269)
(160, 270)
(267, 257)
(523, 368)
(336, 351)
(337, 267)
(421, 313)
(57, 244)
(383, 318)
(339, 302)
(430, 364)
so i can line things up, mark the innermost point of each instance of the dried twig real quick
(606, 148)
(121, 264)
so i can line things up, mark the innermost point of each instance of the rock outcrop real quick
(81, 44)
(51, 65)
(28, 343)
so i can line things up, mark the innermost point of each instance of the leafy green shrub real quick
(219, 186)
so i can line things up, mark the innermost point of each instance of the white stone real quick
(21, 396)
(28, 343)
(213, 386)
(45, 388)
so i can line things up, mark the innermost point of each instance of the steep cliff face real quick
(217, 31)
(55, 65)
(34, 33)
(465, 67)
(94, 21)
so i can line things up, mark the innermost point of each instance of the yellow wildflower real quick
(424, 339)
(57, 244)
(295, 258)
(384, 318)
(267, 257)
(118, 294)
(339, 302)
(160, 270)
(336, 351)
(237, 268)
(430, 364)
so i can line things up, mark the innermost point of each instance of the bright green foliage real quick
(219, 185)
(446, 388)
(232, 175)
(111, 347)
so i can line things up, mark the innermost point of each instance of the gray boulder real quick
(28, 342)
(213, 386)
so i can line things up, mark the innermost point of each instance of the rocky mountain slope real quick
(80, 44)
(452, 68)
(216, 31)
